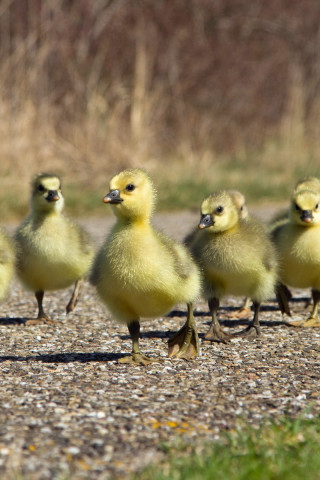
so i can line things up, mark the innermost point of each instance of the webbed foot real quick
(309, 322)
(244, 312)
(185, 343)
(217, 335)
(43, 320)
(252, 331)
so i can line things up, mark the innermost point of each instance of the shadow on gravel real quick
(222, 308)
(66, 357)
(12, 321)
(152, 334)
(228, 322)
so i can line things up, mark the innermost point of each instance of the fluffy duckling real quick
(52, 251)
(236, 257)
(281, 218)
(139, 272)
(7, 261)
(240, 202)
(297, 241)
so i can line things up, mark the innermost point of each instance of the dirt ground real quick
(69, 410)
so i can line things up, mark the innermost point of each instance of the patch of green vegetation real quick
(189, 193)
(186, 194)
(183, 189)
(13, 206)
(85, 202)
(284, 450)
(79, 202)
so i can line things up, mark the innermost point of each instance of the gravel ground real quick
(69, 410)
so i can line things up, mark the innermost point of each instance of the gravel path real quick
(68, 407)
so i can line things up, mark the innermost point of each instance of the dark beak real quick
(205, 221)
(306, 216)
(113, 197)
(52, 196)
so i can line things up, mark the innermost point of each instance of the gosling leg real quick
(283, 295)
(253, 330)
(136, 357)
(215, 332)
(42, 316)
(185, 343)
(74, 297)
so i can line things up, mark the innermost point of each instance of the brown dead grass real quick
(89, 89)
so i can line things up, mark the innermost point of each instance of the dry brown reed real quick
(186, 90)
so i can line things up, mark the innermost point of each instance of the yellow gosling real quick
(52, 251)
(236, 257)
(297, 241)
(240, 202)
(7, 261)
(141, 273)
(281, 218)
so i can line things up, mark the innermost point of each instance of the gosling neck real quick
(134, 221)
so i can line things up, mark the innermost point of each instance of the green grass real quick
(285, 450)
(180, 188)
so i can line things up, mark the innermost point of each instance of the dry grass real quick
(77, 108)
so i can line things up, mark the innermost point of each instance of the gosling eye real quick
(317, 206)
(219, 209)
(41, 188)
(297, 208)
(130, 187)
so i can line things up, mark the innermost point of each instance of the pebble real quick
(69, 410)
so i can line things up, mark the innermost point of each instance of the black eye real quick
(130, 187)
(219, 209)
(316, 207)
(41, 188)
(298, 208)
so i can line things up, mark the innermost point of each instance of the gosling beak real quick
(53, 196)
(205, 221)
(306, 216)
(113, 197)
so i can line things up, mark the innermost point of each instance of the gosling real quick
(139, 272)
(297, 241)
(281, 218)
(7, 263)
(236, 257)
(240, 202)
(52, 251)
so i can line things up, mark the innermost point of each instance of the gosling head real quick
(308, 183)
(132, 194)
(219, 212)
(46, 193)
(305, 208)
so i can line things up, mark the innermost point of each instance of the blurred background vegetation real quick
(204, 94)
